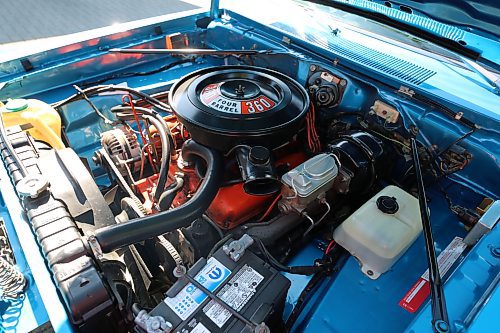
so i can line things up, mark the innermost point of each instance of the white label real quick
(236, 293)
(213, 98)
(200, 328)
(224, 104)
(217, 313)
(447, 258)
(190, 298)
(417, 295)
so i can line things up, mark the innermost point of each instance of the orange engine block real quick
(232, 206)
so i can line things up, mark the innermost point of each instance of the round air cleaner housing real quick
(222, 107)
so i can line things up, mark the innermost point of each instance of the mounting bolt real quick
(97, 159)
(155, 325)
(441, 326)
(312, 68)
(179, 271)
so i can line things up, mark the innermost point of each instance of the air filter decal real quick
(212, 97)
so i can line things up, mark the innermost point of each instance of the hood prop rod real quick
(440, 323)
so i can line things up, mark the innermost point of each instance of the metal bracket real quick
(485, 224)
(152, 324)
(236, 249)
(95, 247)
(406, 91)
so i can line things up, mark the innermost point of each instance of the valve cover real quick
(222, 107)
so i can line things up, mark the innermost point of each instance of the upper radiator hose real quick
(113, 237)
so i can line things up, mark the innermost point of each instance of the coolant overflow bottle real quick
(40, 119)
(381, 230)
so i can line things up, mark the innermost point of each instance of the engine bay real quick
(229, 192)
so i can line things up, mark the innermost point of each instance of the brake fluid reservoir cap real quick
(388, 205)
(15, 105)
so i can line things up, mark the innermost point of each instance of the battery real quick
(249, 286)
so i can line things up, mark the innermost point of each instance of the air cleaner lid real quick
(239, 96)
(247, 104)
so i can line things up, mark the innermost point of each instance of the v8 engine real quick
(230, 165)
(181, 212)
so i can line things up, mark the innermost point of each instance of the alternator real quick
(123, 147)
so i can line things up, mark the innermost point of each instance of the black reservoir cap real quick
(388, 205)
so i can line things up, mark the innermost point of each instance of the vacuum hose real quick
(116, 236)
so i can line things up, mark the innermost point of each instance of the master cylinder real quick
(308, 182)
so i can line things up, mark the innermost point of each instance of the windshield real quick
(305, 19)
(301, 16)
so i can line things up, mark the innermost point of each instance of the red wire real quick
(316, 137)
(330, 246)
(124, 98)
(312, 135)
(139, 128)
(308, 130)
(269, 209)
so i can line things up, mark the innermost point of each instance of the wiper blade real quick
(196, 51)
(491, 78)
(450, 44)
(440, 322)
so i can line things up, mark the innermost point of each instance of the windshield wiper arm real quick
(440, 322)
(196, 51)
(491, 78)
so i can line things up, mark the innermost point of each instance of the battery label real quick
(417, 295)
(190, 298)
(236, 293)
(200, 328)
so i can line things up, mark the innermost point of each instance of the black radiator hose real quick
(120, 235)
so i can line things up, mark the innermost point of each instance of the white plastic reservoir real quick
(381, 230)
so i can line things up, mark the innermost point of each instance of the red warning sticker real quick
(417, 295)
